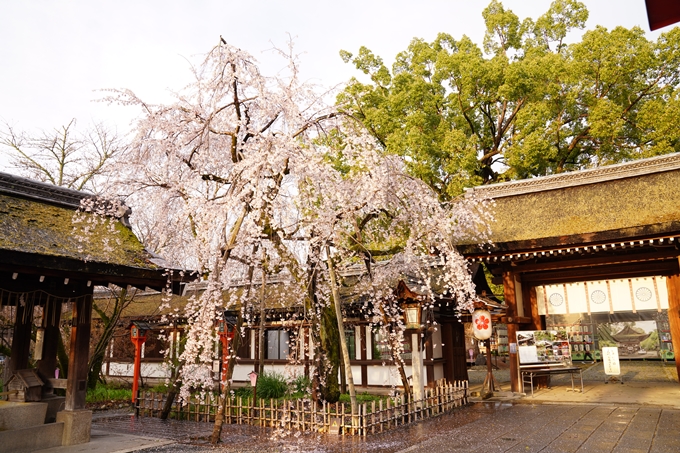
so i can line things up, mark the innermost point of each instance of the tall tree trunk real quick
(260, 335)
(173, 391)
(328, 357)
(234, 345)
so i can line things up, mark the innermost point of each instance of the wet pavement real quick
(640, 415)
(480, 427)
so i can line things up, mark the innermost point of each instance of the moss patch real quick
(34, 227)
(611, 205)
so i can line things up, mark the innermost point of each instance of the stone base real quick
(15, 415)
(77, 426)
(33, 438)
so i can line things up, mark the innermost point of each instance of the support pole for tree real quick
(260, 348)
(343, 340)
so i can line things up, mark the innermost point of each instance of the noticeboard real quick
(543, 346)
(610, 359)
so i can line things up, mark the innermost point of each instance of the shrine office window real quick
(277, 347)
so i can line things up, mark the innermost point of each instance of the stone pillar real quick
(417, 367)
(77, 426)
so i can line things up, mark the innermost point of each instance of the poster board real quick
(543, 347)
(610, 359)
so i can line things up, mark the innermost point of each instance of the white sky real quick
(55, 53)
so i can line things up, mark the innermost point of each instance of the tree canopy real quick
(524, 104)
(258, 178)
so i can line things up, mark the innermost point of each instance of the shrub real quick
(110, 392)
(271, 385)
(361, 398)
(243, 392)
(301, 385)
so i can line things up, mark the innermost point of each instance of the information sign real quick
(610, 358)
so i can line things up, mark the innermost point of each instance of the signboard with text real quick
(610, 359)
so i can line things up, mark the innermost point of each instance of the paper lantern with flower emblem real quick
(481, 324)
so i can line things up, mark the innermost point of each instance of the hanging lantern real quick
(481, 324)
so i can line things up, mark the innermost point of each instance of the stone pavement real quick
(641, 415)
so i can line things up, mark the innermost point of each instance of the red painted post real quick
(138, 337)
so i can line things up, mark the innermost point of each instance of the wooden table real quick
(528, 374)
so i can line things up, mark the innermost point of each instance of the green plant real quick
(271, 385)
(362, 398)
(108, 392)
(243, 392)
(159, 388)
(300, 386)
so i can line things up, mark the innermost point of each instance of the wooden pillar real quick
(531, 308)
(459, 358)
(428, 352)
(447, 351)
(21, 337)
(76, 386)
(673, 284)
(48, 363)
(511, 302)
(363, 340)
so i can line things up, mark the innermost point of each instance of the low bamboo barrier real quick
(307, 415)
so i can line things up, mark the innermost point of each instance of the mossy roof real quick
(30, 226)
(146, 304)
(639, 198)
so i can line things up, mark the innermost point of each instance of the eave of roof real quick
(606, 205)
(41, 228)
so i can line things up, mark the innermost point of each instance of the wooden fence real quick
(308, 415)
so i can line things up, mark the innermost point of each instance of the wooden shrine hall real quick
(615, 222)
(52, 254)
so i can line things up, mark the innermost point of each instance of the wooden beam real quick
(673, 284)
(515, 320)
(630, 270)
(567, 262)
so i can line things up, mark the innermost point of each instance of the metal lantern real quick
(481, 324)
(412, 314)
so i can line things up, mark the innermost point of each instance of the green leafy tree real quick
(526, 104)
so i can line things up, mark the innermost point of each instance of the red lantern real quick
(481, 324)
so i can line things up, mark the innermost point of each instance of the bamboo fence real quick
(307, 415)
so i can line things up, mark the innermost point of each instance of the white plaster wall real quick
(147, 370)
(241, 372)
(387, 376)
